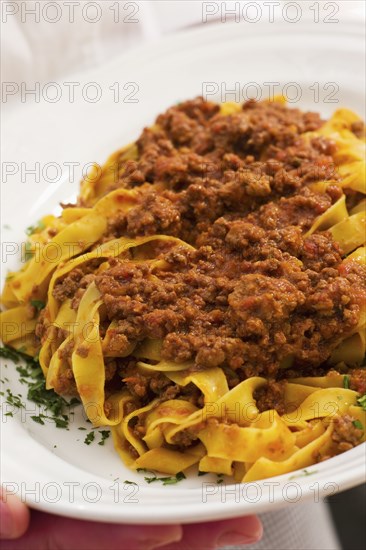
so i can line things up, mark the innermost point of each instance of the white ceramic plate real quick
(52, 468)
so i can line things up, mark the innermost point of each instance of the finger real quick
(14, 516)
(48, 531)
(207, 536)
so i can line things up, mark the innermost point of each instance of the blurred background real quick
(45, 44)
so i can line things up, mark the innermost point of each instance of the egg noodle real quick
(232, 436)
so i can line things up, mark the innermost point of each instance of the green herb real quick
(28, 251)
(89, 438)
(38, 304)
(9, 353)
(150, 479)
(8, 414)
(358, 424)
(169, 480)
(176, 479)
(14, 400)
(105, 434)
(304, 474)
(35, 228)
(201, 473)
(31, 374)
(23, 371)
(38, 419)
(129, 482)
(81, 428)
(346, 380)
(220, 478)
(61, 422)
(362, 402)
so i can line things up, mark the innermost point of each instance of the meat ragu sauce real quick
(196, 165)
(256, 294)
(253, 293)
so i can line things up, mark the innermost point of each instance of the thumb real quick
(14, 516)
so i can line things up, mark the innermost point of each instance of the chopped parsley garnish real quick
(202, 473)
(105, 434)
(358, 424)
(8, 353)
(35, 228)
(129, 482)
(14, 400)
(28, 251)
(38, 419)
(61, 422)
(220, 478)
(151, 479)
(362, 402)
(89, 438)
(38, 304)
(32, 375)
(346, 382)
(304, 474)
(169, 480)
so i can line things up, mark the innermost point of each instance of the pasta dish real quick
(205, 297)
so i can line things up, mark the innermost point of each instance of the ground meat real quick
(271, 396)
(65, 288)
(256, 290)
(147, 388)
(184, 438)
(65, 383)
(358, 380)
(200, 165)
(154, 215)
(345, 435)
(74, 283)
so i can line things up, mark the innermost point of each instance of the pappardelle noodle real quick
(205, 296)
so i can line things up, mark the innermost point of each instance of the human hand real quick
(22, 529)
